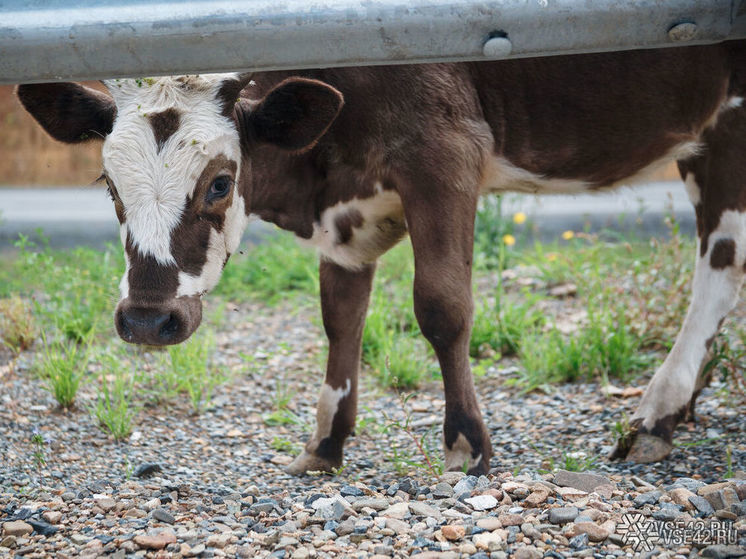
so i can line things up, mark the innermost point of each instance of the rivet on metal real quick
(497, 47)
(682, 32)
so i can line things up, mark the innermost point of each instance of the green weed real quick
(115, 408)
(190, 371)
(62, 366)
(282, 414)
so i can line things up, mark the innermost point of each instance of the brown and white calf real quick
(350, 160)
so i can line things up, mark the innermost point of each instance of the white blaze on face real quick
(155, 182)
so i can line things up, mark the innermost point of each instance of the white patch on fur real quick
(328, 405)
(730, 103)
(460, 455)
(124, 284)
(153, 185)
(499, 175)
(733, 103)
(714, 294)
(692, 189)
(380, 211)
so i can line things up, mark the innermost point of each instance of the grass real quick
(17, 324)
(189, 370)
(116, 407)
(62, 365)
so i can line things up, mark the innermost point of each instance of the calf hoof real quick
(461, 457)
(306, 462)
(641, 448)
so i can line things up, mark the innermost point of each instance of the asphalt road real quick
(85, 216)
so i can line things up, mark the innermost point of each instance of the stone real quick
(264, 506)
(104, 502)
(721, 551)
(17, 528)
(509, 519)
(680, 496)
(8, 542)
(43, 528)
(537, 497)
(489, 523)
(163, 515)
(197, 550)
(418, 508)
(397, 526)
(371, 503)
(453, 532)
(465, 485)
(152, 504)
(397, 510)
(527, 552)
(489, 541)
(702, 505)
(649, 498)
(482, 502)
(585, 481)
(595, 532)
(562, 515)
(155, 541)
(452, 478)
(219, 540)
(52, 516)
(147, 469)
(301, 553)
(442, 490)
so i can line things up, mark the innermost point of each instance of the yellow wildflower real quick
(567, 235)
(509, 240)
(551, 256)
(519, 218)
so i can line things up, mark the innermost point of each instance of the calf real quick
(352, 159)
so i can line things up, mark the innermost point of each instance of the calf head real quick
(176, 158)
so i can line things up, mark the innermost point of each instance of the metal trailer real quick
(49, 40)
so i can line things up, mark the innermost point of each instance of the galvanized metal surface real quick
(47, 40)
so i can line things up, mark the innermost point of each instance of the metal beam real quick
(49, 40)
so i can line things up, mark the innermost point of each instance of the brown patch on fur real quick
(346, 223)
(150, 282)
(230, 91)
(723, 254)
(164, 124)
(190, 239)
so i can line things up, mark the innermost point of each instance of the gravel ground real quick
(214, 485)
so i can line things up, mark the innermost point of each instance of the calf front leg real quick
(441, 225)
(344, 302)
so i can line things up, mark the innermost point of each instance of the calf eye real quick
(219, 188)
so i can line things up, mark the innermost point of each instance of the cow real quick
(352, 159)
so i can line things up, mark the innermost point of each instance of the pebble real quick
(482, 502)
(17, 528)
(562, 515)
(585, 481)
(163, 515)
(155, 541)
(453, 532)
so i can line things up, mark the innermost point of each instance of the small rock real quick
(595, 532)
(508, 519)
(723, 551)
(371, 503)
(452, 478)
(219, 540)
(43, 528)
(197, 550)
(350, 491)
(152, 504)
(482, 502)
(680, 496)
(156, 541)
(579, 542)
(104, 502)
(398, 526)
(527, 552)
(397, 510)
(418, 508)
(453, 532)
(489, 523)
(442, 490)
(489, 541)
(163, 515)
(585, 481)
(465, 485)
(52, 516)
(536, 498)
(147, 469)
(17, 528)
(649, 498)
(702, 505)
(562, 515)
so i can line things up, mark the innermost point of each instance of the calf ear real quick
(69, 112)
(295, 114)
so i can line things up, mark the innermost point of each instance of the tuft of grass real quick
(189, 370)
(62, 366)
(502, 326)
(282, 414)
(262, 274)
(115, 408)
(17, 325)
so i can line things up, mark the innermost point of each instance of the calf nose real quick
(151, 326)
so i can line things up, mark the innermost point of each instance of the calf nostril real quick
(170, 328)
(124, 329)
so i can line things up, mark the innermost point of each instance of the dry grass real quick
(28, 157)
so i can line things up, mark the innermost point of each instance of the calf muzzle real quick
(167, 323)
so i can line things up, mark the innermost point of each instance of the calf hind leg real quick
(716, 182)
